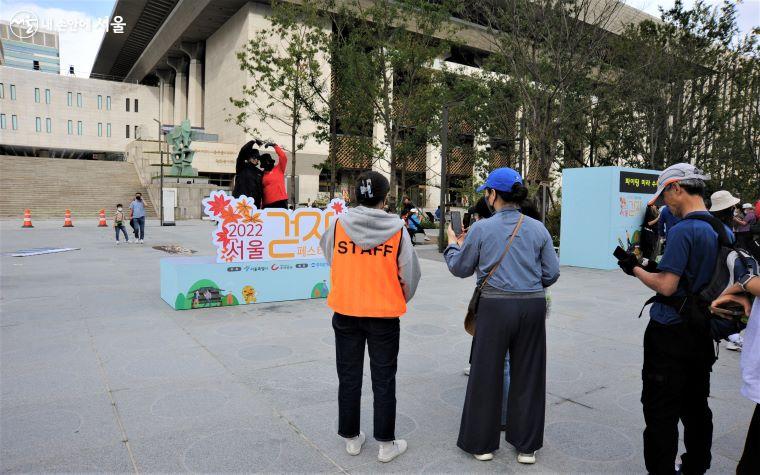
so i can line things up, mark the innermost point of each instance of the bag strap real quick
(506, 250)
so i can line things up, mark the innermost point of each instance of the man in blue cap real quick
(514, 259)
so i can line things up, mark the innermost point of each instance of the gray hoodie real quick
(370, 227)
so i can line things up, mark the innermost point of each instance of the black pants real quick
(278, 204)
(518, 326)
(676, 385)
(382, 337)
(750, 461)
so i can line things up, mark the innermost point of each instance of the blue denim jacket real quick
(530, 266)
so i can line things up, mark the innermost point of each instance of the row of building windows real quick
(69, 126)
(12, 88)
(69, 98)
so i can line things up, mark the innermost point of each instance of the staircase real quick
(49, 186)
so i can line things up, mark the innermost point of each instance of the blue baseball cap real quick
(501, 179)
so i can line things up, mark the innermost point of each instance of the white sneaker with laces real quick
(354, 444)
(527, 458)
(391, 450)
(483, 457)
(140, 241)
(117, 243)
(734, 346)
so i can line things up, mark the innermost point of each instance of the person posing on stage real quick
(275, 192)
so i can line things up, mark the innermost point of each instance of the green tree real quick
(284, 62)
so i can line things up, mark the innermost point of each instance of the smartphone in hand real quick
(620, 253)
(456, 222)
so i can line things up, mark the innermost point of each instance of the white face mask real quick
(118, 209)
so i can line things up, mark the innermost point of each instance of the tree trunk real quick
(333, 146)
(293, 132)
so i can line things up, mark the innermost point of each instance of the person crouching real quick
(374, 273)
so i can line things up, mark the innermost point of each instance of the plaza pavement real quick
(98, 374)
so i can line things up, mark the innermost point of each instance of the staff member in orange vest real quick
(374, 273)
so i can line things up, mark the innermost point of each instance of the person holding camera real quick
(678, 356)
(374, 272)
(514, 259)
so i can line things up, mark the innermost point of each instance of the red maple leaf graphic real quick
(223, 237)
(218, 204)
(337, 207)
(229, 216)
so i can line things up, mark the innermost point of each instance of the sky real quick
(79, 45)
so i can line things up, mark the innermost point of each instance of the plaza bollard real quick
(102, 223)
(27, 219)
(67, 220)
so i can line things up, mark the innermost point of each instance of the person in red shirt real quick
(275, 193)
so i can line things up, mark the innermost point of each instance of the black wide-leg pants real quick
(517, 325)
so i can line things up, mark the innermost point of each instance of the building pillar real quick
(179, 65)
(380, 141)
(432, 176)
(166, 95)
(194, 83)
(481, 165)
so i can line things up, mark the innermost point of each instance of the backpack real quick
(695, 307)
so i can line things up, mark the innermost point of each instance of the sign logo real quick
(233, 269)
(302, 266)
(24, 24)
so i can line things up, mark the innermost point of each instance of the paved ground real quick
(99, 374)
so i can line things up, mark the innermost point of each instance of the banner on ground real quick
(246, 234)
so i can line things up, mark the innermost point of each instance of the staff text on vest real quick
(346, 247)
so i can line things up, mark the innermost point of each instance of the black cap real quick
(371, 188)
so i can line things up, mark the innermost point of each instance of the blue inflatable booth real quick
(602, 207)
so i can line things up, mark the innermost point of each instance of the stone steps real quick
(49, 186)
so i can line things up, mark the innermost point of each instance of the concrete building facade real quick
(39, 50)
(53, 115)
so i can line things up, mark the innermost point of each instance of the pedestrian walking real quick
(374, 273)
(137, 209)
(514, 259)
(678, 354)
(118, 224)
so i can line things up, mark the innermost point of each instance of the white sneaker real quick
(117, 243)
(734, 346)
(483, 457)
(354, 444)
(527, 458)
(391, 450)
(140, 241)
(467, 370)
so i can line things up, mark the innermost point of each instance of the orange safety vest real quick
(364, 283)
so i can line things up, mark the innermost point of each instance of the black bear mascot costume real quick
(249, 171)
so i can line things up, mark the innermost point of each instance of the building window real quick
(100, 102)
(2, 121)
(108, 103)
(70, 127)
(14, 122)
(127, 129)
(36, 65)
(80, 129)
(13, 92)
(37, 94)
(136, 135)
(49, 125)
(127, 104)
(38, 124)
(79, 99)
(2, 91)
(108, 129)
(47, 96)
(68, 99)
(100, 129)
(136, 105)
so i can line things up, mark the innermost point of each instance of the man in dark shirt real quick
(677, 358)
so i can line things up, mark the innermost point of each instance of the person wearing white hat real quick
(678, 356)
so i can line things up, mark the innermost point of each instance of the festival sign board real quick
(267, 255)
(602, 207)
(246, 234)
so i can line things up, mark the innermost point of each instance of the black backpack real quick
(694, 307)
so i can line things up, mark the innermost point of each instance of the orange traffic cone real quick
(27, 219)
(67, 220)
(102, 223)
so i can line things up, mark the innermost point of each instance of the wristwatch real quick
(744, 280)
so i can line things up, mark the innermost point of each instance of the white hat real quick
(675, 173)
(722, 200)
(413, 210)
(747, 206)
